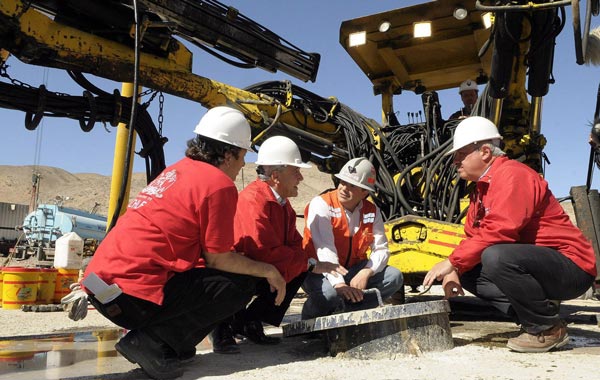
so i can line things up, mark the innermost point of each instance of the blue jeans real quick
(524, 281)
(324, 300)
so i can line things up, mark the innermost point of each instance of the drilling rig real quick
(506, 45)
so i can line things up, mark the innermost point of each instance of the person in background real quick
(168, 260)
(468, 92)
(521, 252)
(265, 230)
(342, 226)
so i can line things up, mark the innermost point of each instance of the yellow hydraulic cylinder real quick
(119, 163)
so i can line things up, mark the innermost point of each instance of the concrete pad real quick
(382, 332)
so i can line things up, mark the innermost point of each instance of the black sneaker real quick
(138, 347)
(254, 331)
(222, 340)
(187, 356)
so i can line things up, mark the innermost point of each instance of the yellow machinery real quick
(508, 45)
(422, 200)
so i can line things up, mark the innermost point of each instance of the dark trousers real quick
(194, 302)
(263, 308)
(525, 281)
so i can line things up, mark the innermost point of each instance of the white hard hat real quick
(227, 125)
(280, 150)
(471, 130)
(468, 85)
(359, 172)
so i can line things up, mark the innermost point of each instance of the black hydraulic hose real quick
(520, 8)
(396, 151)
(418, 162)
(450, 191)
(595, 132)
(389, 180)
(110, 108)
(488, 43)
(81, 80)
(240, 65)
(541, 53)
(438, 173)
(505, 49)
(577, 32)
(429, 175)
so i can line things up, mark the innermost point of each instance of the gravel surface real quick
(20, 323)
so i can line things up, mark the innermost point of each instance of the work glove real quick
(76, 302)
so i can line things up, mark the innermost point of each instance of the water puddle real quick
(59, 356)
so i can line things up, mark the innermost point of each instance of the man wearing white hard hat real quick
(342, 226)
(521, 253)
(468, 92)
(166, 271)
(265, 230)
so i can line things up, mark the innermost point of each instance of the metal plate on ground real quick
(382, 332)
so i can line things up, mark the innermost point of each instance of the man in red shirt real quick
(265, 230)
(522, 253)
(168, 260)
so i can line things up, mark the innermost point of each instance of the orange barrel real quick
(64, 279)
(20, 286)
(46, 287)
(15, 351)
(1, 283)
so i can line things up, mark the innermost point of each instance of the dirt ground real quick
(479, 352)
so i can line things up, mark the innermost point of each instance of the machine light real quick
(488, 19)
(385, 26)
(482, 78)
(422, 29)
(460, 13)
(419, 88)
(357, 38)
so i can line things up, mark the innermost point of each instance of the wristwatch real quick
(312, 263)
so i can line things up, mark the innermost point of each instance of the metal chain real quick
(144, 93)
(16, 82)
(161, 103)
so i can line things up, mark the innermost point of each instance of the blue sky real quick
(312, 26)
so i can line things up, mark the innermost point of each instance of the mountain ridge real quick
(83, 190)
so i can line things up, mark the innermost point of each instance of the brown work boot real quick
(545, 341)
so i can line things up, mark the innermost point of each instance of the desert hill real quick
(83, 190)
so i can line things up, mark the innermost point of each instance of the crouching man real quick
(341, 227)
